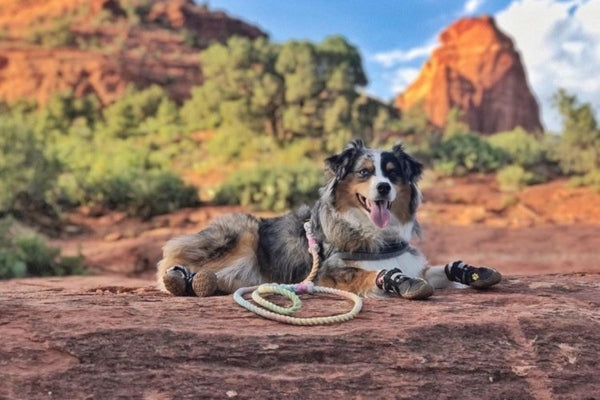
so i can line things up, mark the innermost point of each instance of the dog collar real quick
(387, 252)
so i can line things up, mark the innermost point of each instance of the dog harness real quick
(387, 252)
(272, 311)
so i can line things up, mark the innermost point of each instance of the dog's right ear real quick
(340, 164)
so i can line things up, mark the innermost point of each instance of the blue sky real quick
(559, 39)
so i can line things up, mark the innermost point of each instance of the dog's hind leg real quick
(227, 247)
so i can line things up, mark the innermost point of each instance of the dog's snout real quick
(383, 188)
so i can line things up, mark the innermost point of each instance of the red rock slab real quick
(108, 338)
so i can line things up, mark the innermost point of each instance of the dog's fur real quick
(369, 202)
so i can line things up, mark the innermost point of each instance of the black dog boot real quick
(476, 277)
(394, 281)
(178, 281)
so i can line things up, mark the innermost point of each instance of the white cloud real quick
(394, 57)
(559, 42)
(403, 77)
(471, 6)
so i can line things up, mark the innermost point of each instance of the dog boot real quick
(476, 277)
(178, 281)
(204, 283)
(394, 281)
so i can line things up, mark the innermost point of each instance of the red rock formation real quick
(478, 70)
(107, 51)
(532, 337)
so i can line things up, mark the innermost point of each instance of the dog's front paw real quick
(394, 281)
(476, 277)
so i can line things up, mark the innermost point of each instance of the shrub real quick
(464, 153)
(524, 148)
(56, 35)
(514, 177)
(274, 188)
(26, 171)
(159, 192)
(591, 179)
(142, 193)
(11, 265)
(30, 256)
(43, 260)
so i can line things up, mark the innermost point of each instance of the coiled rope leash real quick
(274, 312)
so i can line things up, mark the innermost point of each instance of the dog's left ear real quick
(340, 164)
(411, 167)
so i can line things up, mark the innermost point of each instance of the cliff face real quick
(102, 46)
(478, 70)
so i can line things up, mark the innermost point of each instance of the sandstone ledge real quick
(113, 337)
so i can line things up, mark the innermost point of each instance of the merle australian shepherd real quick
(364, 220)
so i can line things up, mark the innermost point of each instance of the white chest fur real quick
(410, 264)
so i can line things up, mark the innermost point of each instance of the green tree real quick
(578, 150)
(124, 118)
(166, 122)
(343, 64)
(294, 90)
(241, 92)
(64, 113)
(297, 63)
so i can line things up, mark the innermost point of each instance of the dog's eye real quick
(363, 173)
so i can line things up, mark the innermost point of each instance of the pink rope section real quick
(269, 310)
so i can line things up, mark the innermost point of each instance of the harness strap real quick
(389, 251)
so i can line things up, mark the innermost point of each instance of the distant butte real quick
(477, 70)
(101, 47)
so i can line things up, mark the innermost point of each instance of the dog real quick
(363, 221)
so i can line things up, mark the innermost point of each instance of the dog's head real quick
(382, 185)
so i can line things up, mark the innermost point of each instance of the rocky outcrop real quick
(102, 46)
(37, 73)
(476, 69)
(109, 337)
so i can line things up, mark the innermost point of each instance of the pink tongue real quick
(380, 215)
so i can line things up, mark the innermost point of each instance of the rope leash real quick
(269, 310)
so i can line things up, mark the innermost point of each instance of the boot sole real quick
(418, 289)
(489, 281)
(174, 282)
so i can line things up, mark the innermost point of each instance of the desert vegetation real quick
(24, 253)
(263, 119)
(269, 113)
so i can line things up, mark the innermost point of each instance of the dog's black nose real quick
(383, 188)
